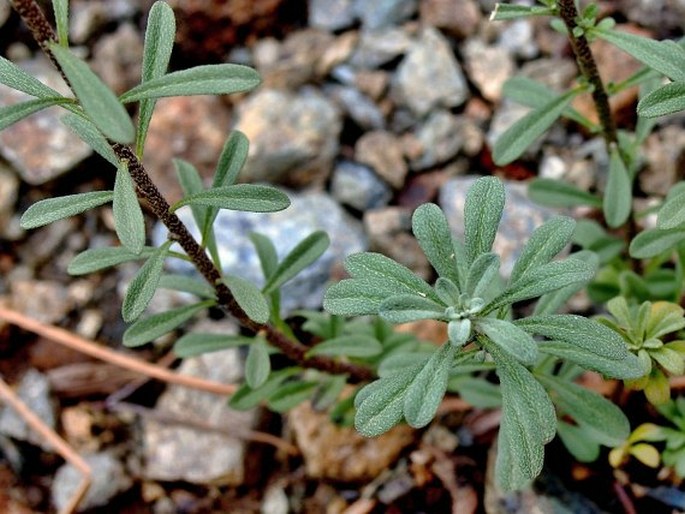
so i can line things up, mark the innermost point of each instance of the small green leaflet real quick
(513, 11)
(98, 101)
(97, 259)
(666, 57)
(53, 209)
(447, 291)
(483, 271)
(618, 195)
(578, 442)
(305, 253)
(626, 368)
(510, 338)
(268, 258)
(426, 391)
(191, 183)
(128, 216)
(257, 363)
(433, 234)
(249, 297)
(239, 197)
(546, 242)
(187, 284)
(247, 398)
(17, 112)
(291, 395)
(143, 286)
(356, 297)
(148, 329)
(652, 242)
(348, 345)
(482, 213)
(197, 343)
(61, 9)
(514, 141)
(159, 41)
(89, 133)
(14, 77)
(549, 303)
(667, 99)
(211, 79)
(406, 308)
(556, 193)
(672, 212)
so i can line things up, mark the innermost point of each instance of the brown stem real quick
(588, 68)
(39, 26)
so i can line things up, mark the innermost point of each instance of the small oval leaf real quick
(556, 193)
(239, 197)
(195, 343)
(148, 329)
(618, 197)
(257, 364)
(17, 112)
(304, 254)
(349, 346)
(53, 209)
(128, 216)
(249, 297)
(143, 286)
(97, 259)
(665, 100)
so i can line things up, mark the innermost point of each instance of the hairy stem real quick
(588, 68)
(40, 28)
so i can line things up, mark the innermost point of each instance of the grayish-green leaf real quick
(667, 99)
(100, 104)
(239, 197)
(514, 141)
(356, 297)
(528, 422)
(53, 209)
(290, 395)
(247, 398)
(159, 41)
(459, 332)
(672, 212)
(390, 275)
(197, 343)
(211, 79)
(483, 271)
(406, 308)
(97, 259)
(433, 234)
(61, 10)
(666, 57)
(186, 284)
(191, 184)
(544, 279)
(545, 242)
(381, 407)
(514, 11)
(556, 193)
(550, 303)
(426, 391)
(231, 161)
(148, 329)
(626, 368)
(13, 76)
(249, 297)
(143, 286)
(447, 291)
(329, 392)
(89, 133)
(510, 338)
(652, 242)
(266, 251)
(479, 392)
(482, 213)
(355, 345)
(257, 364)
(129, 222)
(11, 114)
(304, 254)
(578, 442)
(607, 423)
(618, 195)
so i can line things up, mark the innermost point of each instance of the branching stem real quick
(42, 31)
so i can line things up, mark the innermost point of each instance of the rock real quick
(664, 152)
(177, 452)
(661, 15)
(382, 151)
(389, 233)
(46, 301)
(9, 185)
(193, 128)
(422, 188)
(379, 47)
(357, 186)
(439, 139)
(117, 58)
(338, 52)
(488, 67)
(293, 137)
(508, 113)
(331, 15)
(460, 18)
(88, 17)
(430, 61)
(294, 62)
(275, 500)
(340, 453)
(4, 11)
(554, 72)
(34, 391)
(308, 212)
(521, 216)
(40, 147)
(357, 106)
(518, 39)
(372, 83)
(108, 479)
(384, 13)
